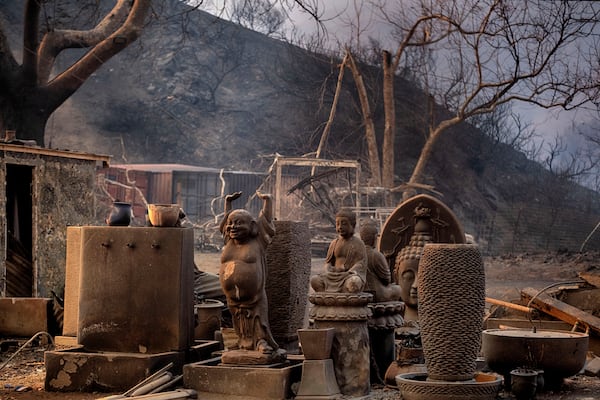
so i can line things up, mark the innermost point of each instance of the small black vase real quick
(120, 214)
(524, 383)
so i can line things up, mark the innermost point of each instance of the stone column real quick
(348, 314)
(288, 264)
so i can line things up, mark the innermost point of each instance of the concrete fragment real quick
(23, 316)
(592, 367)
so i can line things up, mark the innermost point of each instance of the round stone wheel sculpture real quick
(399, 227)
(451, 290)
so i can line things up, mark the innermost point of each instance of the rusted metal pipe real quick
(167, 385)
(26, 343)
(508, 305)
(148, 387)
(149, 379)
(175, 394)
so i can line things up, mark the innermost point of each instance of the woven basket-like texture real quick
(451, 290)
(414, 387)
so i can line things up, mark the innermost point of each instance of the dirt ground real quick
(505, 277)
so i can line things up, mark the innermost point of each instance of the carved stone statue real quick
(346, 262)
(407, 261)
(243, 276)
(379, 277)
(339, 302)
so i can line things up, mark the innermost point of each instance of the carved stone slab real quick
(400, 225)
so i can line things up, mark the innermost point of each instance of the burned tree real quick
(31, 90)
(471, 57)
(30, 94)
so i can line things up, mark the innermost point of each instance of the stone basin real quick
(559, 354)
(416, 386)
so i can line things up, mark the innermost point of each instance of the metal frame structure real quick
(280, 162)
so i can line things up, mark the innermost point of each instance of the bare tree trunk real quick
(368, 120)
(336, 96)
(417, 175)
(389, 132)
(327, 129)
(29, 96)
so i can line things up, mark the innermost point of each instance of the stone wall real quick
(62, 192)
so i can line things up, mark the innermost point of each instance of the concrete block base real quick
(253, 382)
(75, 370)
(24, 316)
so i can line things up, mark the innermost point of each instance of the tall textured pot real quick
(451, 290)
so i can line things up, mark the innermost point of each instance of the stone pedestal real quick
(318, 381)
(288, 264)
(382, 350)
(385, 318)
(318, 376)
(132, 287)
(128, 303)
(75, 370)
(348, 314)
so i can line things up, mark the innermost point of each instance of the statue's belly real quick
(241, 281)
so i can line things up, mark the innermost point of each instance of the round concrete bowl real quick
(163, 214)
(415, 386)
(559, 354)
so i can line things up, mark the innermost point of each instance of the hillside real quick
(199, 90)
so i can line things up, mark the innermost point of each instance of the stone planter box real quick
(250, 382)
(76, 370)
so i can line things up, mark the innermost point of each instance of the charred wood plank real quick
(558, 309)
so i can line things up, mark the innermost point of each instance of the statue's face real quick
(407, 279)
(368, 236)
(343, 227)
(238, 225)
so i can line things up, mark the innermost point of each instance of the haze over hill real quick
(199, 90)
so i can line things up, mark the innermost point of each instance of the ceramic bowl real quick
(163, 214)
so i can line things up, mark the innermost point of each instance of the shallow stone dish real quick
(415, 386)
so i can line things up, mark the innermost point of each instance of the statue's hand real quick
(264, 196)
(339, 268)
(233, 196)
